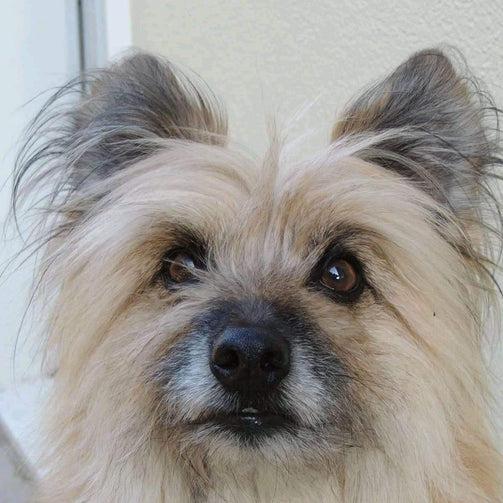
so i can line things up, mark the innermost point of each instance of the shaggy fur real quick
(388, 391)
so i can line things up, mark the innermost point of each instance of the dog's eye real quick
(178, 267)
(340, 276)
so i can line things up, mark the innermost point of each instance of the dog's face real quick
(292, 311)
(292, 314)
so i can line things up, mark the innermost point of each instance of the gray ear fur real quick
(119, 117)
(434, 125)
(143, 97)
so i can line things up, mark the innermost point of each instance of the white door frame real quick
(105, 31)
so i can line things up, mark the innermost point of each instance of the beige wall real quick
(265, 57)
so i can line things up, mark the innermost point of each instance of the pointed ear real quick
(120, 116)
(140, 98)
(428, 124)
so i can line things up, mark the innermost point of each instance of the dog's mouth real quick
(250, 422)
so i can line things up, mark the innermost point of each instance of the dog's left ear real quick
(427, 123)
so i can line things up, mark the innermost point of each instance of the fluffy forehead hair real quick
(426, 123)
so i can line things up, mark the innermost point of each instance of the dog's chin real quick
(247, 439)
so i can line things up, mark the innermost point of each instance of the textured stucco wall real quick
(273, 57)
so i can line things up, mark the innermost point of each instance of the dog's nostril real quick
(227, 359)
(272, 361)
(250, 360)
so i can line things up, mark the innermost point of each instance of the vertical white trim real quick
(93, 26)
(106, 30)
(73, 37)
(118, 27)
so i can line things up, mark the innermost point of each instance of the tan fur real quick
(417, 405)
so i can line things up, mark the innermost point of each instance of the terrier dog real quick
(227, 330)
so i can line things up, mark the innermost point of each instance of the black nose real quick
(250, 359)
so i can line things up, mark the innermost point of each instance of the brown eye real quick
(178, 267)
(340, 276)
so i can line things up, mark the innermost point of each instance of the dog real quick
(231, 330)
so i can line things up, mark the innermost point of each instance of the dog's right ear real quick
(121, 114)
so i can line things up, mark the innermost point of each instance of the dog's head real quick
(294, 310)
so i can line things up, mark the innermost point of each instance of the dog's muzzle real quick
(250, 361)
